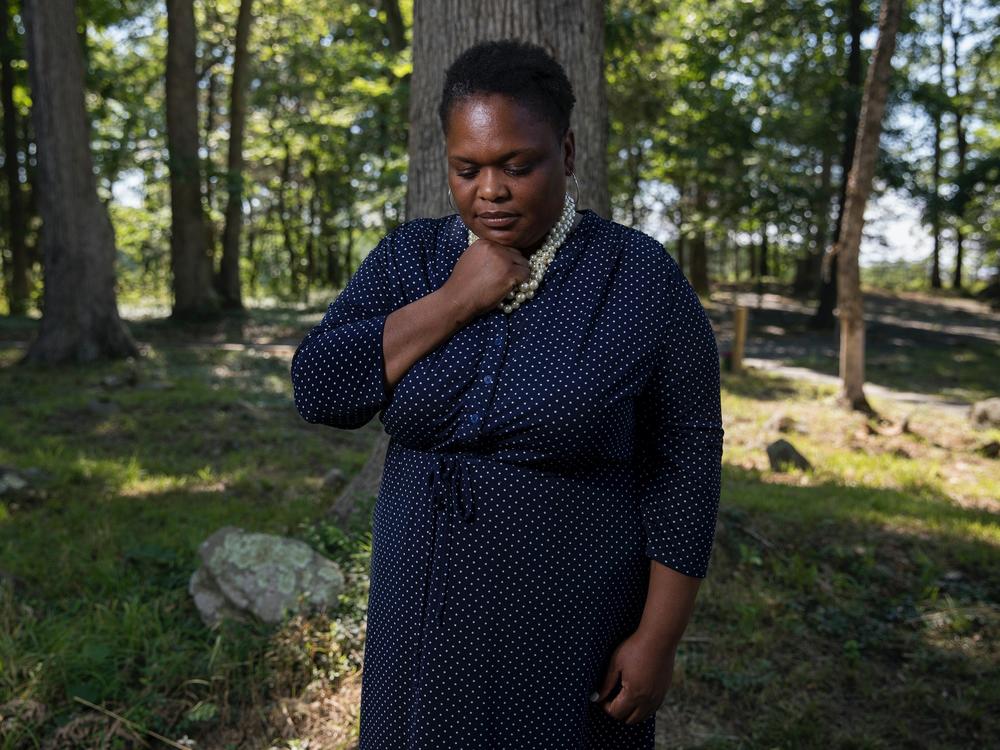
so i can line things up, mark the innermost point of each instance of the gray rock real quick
(985, 414)
(11, 481)
(261, 575)
(783, 454)
(333, 477)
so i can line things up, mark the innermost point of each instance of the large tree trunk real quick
(80, 320)
(849, 301)
(229, 269)
(573, 32)
(189, 256)
(823, 317)
(16, 275)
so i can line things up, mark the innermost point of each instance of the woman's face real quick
(507, 170)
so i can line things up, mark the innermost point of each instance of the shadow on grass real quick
(830, 619)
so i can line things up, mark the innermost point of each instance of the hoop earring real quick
(576, 181)
(451, 201)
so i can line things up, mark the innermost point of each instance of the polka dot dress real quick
(537, 461)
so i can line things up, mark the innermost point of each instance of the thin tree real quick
(80, 320)
(823, 318)
(937, 113)
(961, 143)
(573, 32)
(16, 275)
(190, 261)
(849, 300)
(228, 281)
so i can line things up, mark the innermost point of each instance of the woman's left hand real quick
(646, 669)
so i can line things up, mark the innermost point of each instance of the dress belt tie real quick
(451, 491)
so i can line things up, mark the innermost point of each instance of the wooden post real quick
(739, 336)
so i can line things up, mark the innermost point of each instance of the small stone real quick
(333, 477)
(985, 414)
(990, 450)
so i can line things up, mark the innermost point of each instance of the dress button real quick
(474, 417)
(488, 379)
(498, 341)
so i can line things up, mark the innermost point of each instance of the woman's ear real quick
(569, 151)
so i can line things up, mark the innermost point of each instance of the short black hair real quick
(521, 70)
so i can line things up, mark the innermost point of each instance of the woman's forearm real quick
(419, 327)
(669, 604)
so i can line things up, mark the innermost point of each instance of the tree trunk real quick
(80, 320)
(699, 251)
(573, 32)
(849, 301)
(762, 259)
(190, 261)
(936, 178)
(962, 147)
(809, 266)
(16, 275)
(284, 219)
(395, 29)
(229, 268)
(823, 317)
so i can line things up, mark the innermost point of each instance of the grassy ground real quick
(856, 605)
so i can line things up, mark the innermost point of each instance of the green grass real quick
(856, 605)
(131, 480)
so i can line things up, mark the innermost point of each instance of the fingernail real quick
(594, 696)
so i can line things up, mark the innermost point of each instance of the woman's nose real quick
(492, 185)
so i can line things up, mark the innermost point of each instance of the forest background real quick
(853, 599)
(730, 131)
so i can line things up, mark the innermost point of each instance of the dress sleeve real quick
(679, 437)
(338, 371)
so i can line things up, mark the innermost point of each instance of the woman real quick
(550, 490)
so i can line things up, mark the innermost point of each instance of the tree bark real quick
(823, 317)
(936, 178)
(190, 261)
(16, 275)
(80, 321)
(699, 252)
(849, 300)
(962, 148)
(229, 268)
(395, 29)
(809, 265)
(573, 32)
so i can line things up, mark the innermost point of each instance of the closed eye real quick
(517, 171)
(513, 171)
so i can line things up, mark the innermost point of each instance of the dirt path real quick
(919, 349)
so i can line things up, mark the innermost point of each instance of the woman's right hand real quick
(484, 274)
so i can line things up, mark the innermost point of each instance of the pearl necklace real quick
(539, 259)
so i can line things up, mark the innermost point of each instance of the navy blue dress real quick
(536, 462)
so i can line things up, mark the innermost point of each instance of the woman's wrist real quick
(669, 604)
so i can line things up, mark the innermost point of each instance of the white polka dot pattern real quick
(537, 461)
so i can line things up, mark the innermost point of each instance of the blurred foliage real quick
(742, 100)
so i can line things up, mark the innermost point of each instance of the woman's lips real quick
(498, 221)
